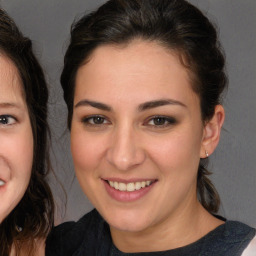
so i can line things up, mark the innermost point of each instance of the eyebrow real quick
(9, 105)
(159, 103)
(141, 107)
(94, 104)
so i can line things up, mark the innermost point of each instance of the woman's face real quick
(136, 135)
(16, 147)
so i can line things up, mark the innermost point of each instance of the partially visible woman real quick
(26, 203)
(143, 83)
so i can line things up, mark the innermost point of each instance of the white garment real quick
(251, 248)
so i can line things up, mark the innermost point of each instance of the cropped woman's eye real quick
(7, 120)
(161, 121)
(95, 120)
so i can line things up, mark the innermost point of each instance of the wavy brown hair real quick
(32, 218)
(176, 25)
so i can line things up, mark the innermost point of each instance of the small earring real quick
(206, 153)
(18, 228)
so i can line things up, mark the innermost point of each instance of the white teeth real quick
(122, 187)
(130, 187)
(116, 185)
(138, 185)
(2, 182)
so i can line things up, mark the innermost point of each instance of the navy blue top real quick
(91, 236)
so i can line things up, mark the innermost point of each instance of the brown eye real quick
(95, 120)
(160, 121)
(98, 120)
(7, 120)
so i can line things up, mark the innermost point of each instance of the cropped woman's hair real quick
(176, 25)
(32, 218)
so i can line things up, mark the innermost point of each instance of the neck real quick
(37, 247)
(185, 227)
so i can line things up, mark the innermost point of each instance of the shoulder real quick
(231, 238)
(69, 236)
(238, 231)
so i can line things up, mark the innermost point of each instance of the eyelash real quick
(86, 120)
(5, 120)
(163, 121)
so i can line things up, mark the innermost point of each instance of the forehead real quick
(140, 66)
(10, 82)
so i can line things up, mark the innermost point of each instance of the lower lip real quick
(125, 196)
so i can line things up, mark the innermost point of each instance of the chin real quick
(128, 226)
(128, 222)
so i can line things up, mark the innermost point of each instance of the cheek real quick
(178, 151)
(17, 152)
(86, 150)
(176, 158)
(24, 156)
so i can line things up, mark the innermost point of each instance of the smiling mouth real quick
(131, 186)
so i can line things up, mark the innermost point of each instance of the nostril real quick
(124, 162)
(124, 152)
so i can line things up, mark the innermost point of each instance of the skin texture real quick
(16, 147)
(129, 143)
(40, 249)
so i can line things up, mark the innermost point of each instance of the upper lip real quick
(126, 181)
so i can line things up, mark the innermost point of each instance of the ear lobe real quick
(212, 129)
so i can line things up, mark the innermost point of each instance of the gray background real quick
(47, 23)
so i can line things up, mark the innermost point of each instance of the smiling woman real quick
(139, 135)
(16, 137)
(26, 204)
(143, 80)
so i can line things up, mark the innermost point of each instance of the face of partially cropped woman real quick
(136, 135)
(16, 147)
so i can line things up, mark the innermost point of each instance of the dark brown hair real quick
(176, 25)
(34, 213)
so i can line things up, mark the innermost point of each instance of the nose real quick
(125, 151)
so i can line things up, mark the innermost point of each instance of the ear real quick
(211, 134)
